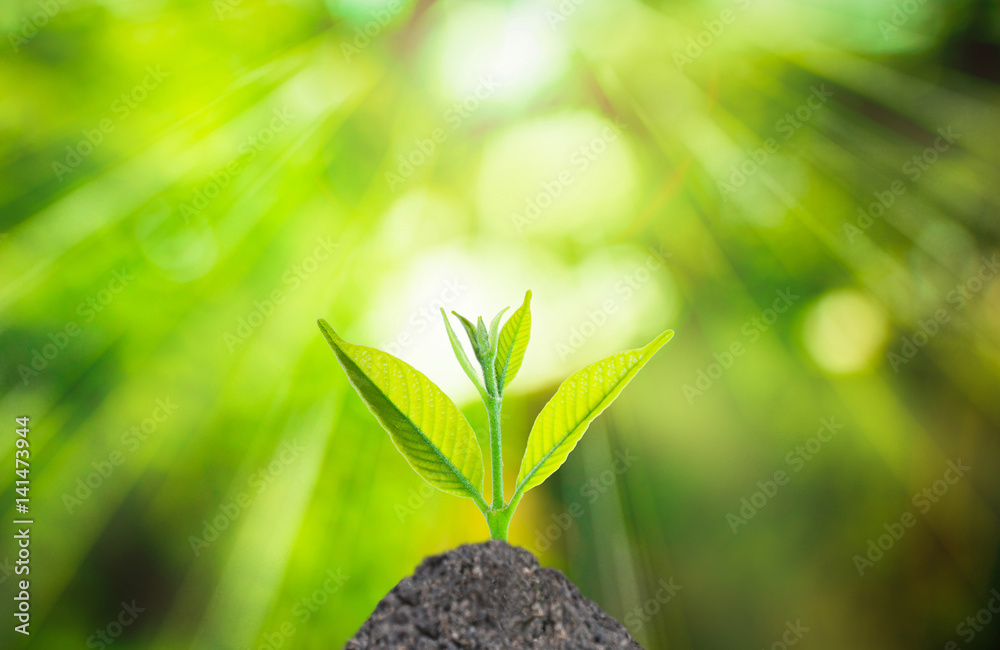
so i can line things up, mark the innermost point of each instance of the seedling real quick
(436, 439)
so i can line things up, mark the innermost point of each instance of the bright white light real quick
(512, 46)
(607, 302)
(520, 49)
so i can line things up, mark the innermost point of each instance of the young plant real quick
(436, 439)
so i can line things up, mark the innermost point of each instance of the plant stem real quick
(499, 522)
(497, 517)
(493, 406)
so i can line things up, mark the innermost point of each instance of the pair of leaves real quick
(437, 440)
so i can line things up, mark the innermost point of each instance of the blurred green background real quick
(806, 192)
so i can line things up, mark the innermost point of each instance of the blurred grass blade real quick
(513, 343)
(578, 400)
(423, 422)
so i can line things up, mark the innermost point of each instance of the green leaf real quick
(423, 423)
(580, 399)
(494, 328)
(470, 329)
(513, 343)
(482, 340)
(467, 324)
(463, 359)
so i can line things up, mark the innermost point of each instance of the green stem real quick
(493, 407)
(499, 522)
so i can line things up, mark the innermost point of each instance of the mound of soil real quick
(490, 595)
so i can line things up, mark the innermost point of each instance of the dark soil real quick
(490, 595)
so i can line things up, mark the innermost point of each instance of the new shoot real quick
(436, 439)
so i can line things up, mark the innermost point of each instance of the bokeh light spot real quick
(512, 46)
(844, 331)
(571, 174)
